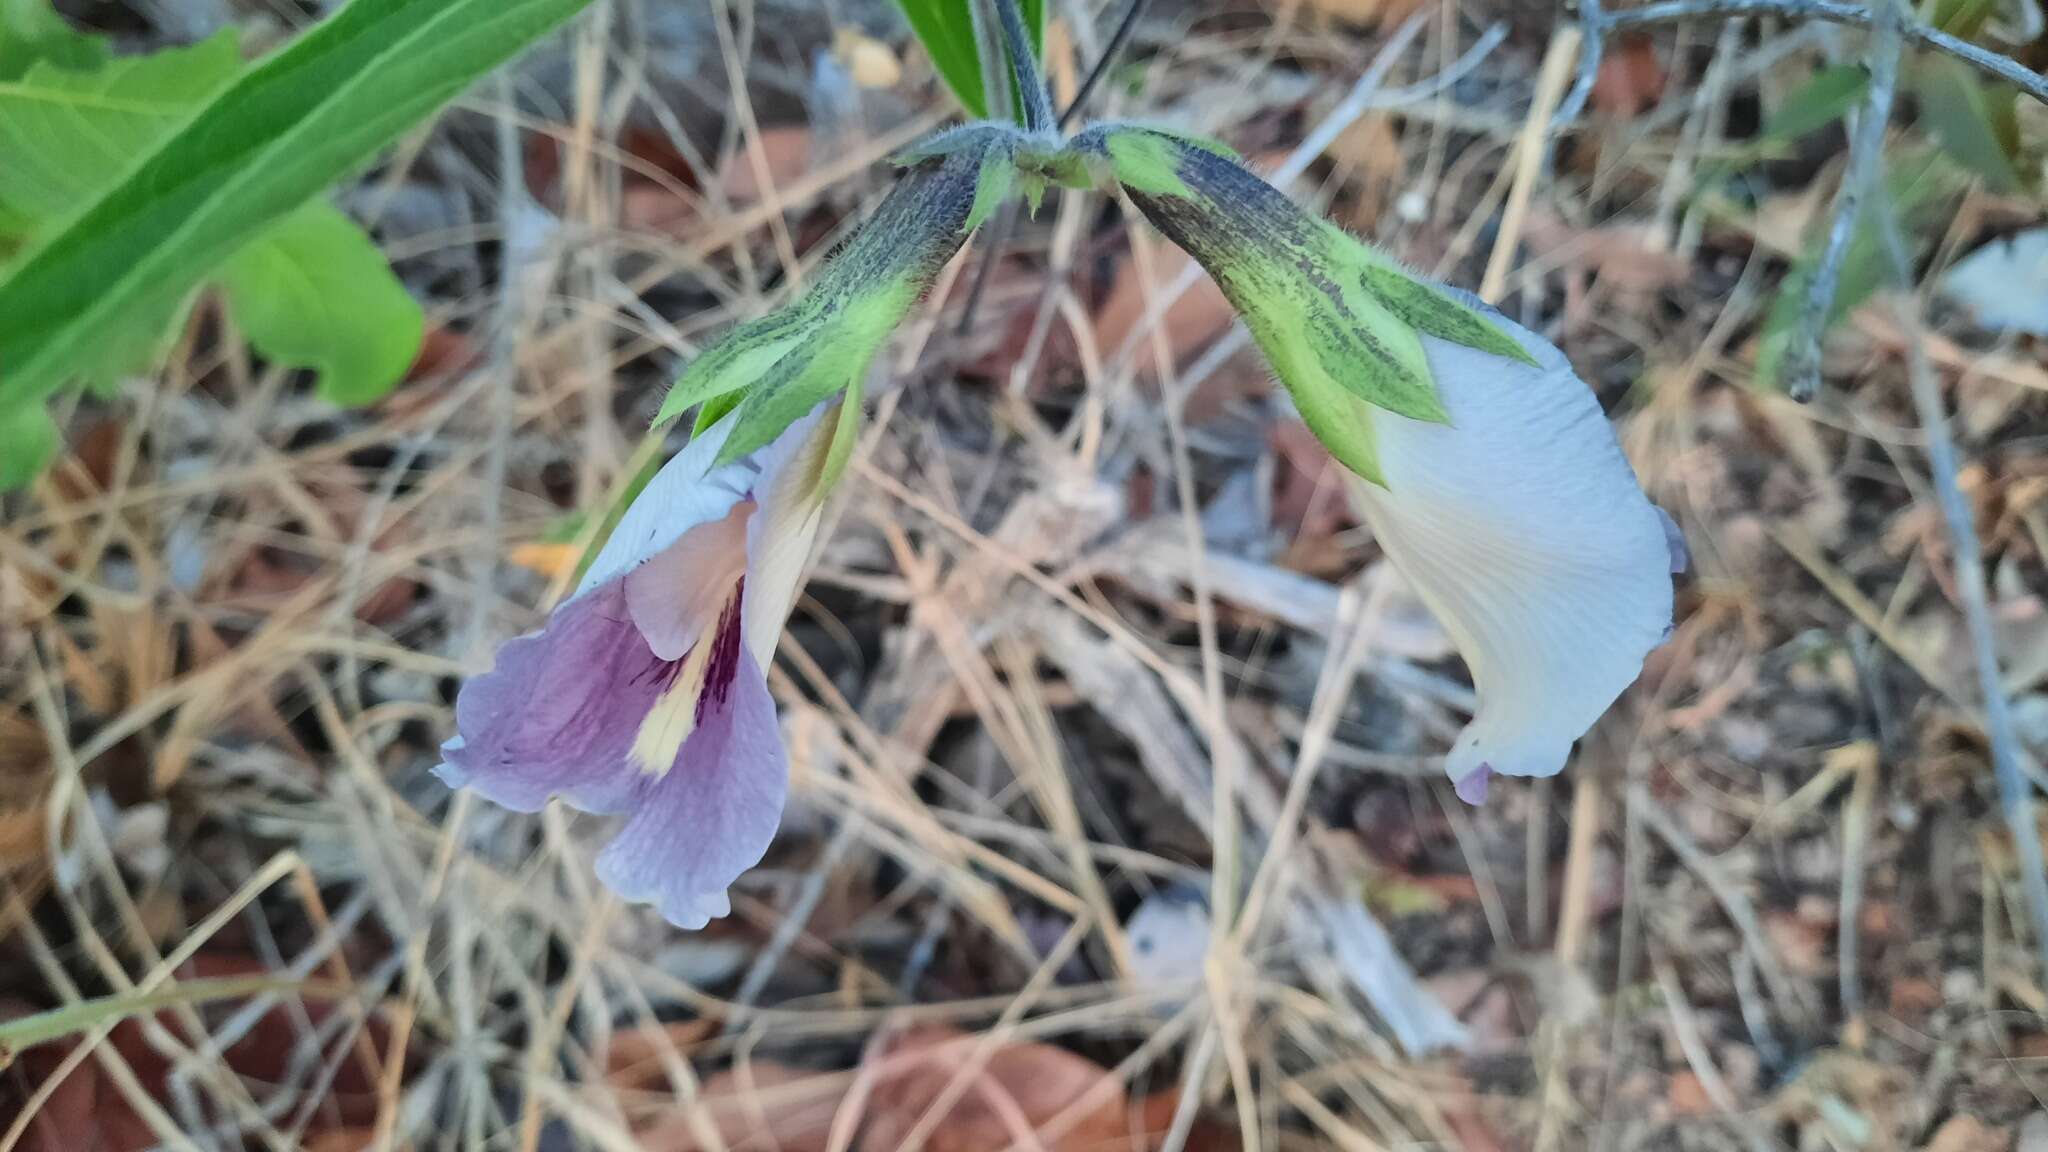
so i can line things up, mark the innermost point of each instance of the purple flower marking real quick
(644, 693)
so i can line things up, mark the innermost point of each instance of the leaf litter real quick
(1770, 905)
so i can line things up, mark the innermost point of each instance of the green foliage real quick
(1914, 189)
(238, 167)
(1825, 98)
(1975, 120)
(28, 442)
(30, 30)
(312, 292)
(947, 29)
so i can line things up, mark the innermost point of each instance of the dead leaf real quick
(1368, 153)
(1019, 1089)
(1631, 78)
(1191, 324)
(25, 781)
(1009, 1100)
(637, 1059)
(787, 149)
(1965, 1133)
(1367, 13)
(759, 1104)
(871, 63)
(1687, 1095)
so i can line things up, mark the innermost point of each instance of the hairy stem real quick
(1036, 105)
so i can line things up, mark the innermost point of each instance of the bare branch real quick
(2015, 793)
(1104, 62)
(1801, 364)
(1834, 11)
(1592, 43)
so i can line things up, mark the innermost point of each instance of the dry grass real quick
(1090, 627)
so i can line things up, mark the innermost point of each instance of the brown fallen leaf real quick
(1366, 13)
(1019, 1090)
(787, 149)
(1631, 78)
(25, 781)
(1012, 1098)
(1966, 1133)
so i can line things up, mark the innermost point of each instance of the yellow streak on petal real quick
(674, 715)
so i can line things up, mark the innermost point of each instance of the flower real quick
(644, 693)
(1488, 473)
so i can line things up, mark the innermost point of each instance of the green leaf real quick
(261, 147)
(29, 440)
(1825, 98)
(1963, 18)
(72, 1019)
(68, 135)
(946, 28)
(314, 292)
(1977, 121)
(31, 31)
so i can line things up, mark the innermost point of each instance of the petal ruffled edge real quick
(1522, 526)
(695, 829)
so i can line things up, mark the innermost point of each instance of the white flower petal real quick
(685, 493)
(784, 526)
(1523, 528)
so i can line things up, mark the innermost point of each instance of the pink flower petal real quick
(697, 827)
(677, 594)
(556, 714)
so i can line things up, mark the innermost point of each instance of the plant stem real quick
(1035, 104)
(2015, 793)
(1801, 365)
(1668, 11)
(1104, 62)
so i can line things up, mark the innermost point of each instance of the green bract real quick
(771, 371)
(1341, 324)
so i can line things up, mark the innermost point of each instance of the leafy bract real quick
(1341, 324)
(250, 157)
(770, 371)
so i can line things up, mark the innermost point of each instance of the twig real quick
(2016, 798)
(1530, 150)
(1834, 11)
(1593, 31)
(1103, 63)
(1801, 365)
(992, 243)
